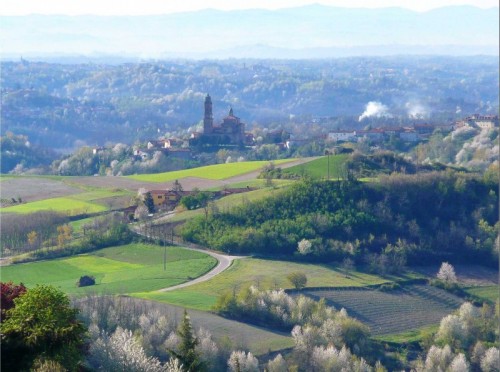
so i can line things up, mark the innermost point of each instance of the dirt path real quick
(224, 262)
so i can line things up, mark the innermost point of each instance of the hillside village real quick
(231, 134)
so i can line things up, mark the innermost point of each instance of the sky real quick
(145, 7)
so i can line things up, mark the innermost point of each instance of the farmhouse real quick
(168, 198)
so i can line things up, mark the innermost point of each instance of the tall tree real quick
(9, 292)
(42, 324)
(149, 203)
(186, 352)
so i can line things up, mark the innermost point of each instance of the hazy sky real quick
(141, 7)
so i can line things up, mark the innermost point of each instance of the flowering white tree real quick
(447, 273)
(331, 331)
(304, 247)
(122, 352)
(490, 361)
(278, 364)
(331, 359)
(305, 338)
(173, 365)
(452, 330)
(239, 361)
(438, 359)
(207, 348)
(460, 364)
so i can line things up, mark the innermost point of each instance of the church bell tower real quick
(208, 119)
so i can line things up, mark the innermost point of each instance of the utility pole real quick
(327, 153)
(164, 256)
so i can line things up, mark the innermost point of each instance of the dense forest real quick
(401, 219)
(65, 106)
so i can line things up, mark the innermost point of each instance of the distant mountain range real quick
(314, 31)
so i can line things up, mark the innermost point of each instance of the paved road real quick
(224, 262)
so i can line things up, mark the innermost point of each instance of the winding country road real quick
(224, 262)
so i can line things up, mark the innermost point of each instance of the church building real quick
(230, 132)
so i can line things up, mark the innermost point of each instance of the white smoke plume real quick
(416, 110)
(375, 109)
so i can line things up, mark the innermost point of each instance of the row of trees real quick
(279, 310)
(400, 219)
(101, 232)
(25, 233)
(136, 335)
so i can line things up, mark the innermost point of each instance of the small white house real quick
(342, 135)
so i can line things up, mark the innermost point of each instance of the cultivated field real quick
(470, 275)
(213, 172)
(31, 189)
(410, 308)
(123, 269)
(266, 274)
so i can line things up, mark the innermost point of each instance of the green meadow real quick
(318, 168)
(85, 202)
(488, 293)
(122, 269)
(64, 204)
(227, 203)
(266, 274)
(213, 172)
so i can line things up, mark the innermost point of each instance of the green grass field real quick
(488, 293)
(319, 168)
(123, 269)
(85, 202)
(65, 204)
(213, 172)
(78, 224)
(257, 183)
(415, 335)
(227, 203)
(266, 274)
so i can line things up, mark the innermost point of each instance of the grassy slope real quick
(123, 269)
(319, 168)
(489, 293)
(86, 202)
(64, 204)
(228, 202)
(213, 172)
(264, 273)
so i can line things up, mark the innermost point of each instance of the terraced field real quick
(396, 311)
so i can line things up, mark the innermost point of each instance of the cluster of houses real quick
(232, 132)
(478, 122)
(407, 134)
(415, 133)
(171, 147)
